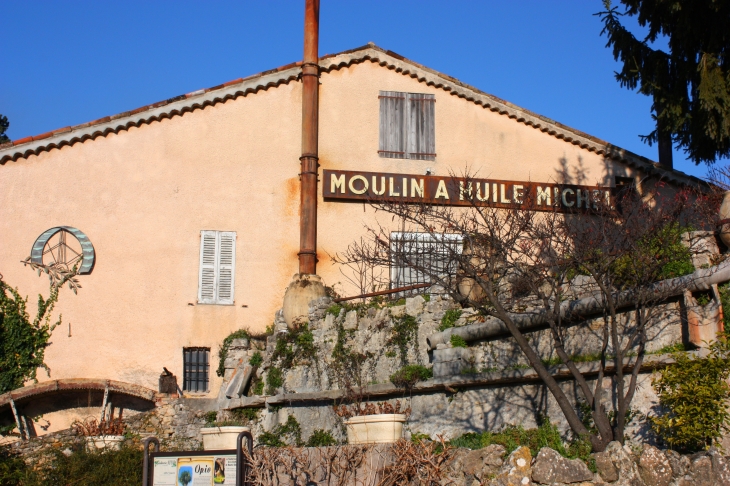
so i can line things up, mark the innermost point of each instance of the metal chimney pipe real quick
(310, 135)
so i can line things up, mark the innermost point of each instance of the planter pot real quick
(216, 438)
(704, 322)
(110, 442)
(375, 429)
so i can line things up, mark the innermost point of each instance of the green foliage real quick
(576, 358)
(449, 319)
(469, 370)
(670, 348)
(13, 469)
(458, 341)
(404, 332)
(512, 437)
(660, 256)
(409, 375)
(346, 364)
(269, 439)
(321, 438)
(586, 415)
(107, 467)
(295, 347)
(23, 341)
(223, 350)
(4, 125)
(334, 309)
(690, 81)
(258, 387)
(417, 437)
(288, 433)
(274, 380)
(694, 394)
(236, 417)
(244, 416)
(210, 418)
(256, 359)
(703, 297)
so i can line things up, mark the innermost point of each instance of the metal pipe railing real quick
(385, 292)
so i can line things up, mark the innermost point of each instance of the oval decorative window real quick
(64, 247)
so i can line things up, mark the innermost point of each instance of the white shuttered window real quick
(407, 125)
(217, 267)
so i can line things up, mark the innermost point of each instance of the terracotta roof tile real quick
(42, 136)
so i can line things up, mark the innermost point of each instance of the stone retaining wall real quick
(404, 463)
(485, 386)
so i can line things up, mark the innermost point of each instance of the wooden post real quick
(23, 434)
(104, 402)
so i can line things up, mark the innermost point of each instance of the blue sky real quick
(70, 62)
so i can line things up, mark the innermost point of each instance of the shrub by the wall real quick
(693, 396)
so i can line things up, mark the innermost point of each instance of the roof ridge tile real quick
(369, 52)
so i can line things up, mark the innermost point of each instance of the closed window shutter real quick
(421, 127)
(226, 267)
(207, 276)
(393, 125)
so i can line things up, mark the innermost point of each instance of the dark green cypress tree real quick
(690, 84)
(4, 124)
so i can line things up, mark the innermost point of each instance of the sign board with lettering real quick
(345, 185)
(204, 468)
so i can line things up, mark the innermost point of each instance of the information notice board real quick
(204, 468)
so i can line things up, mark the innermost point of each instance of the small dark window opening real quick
(196, 365)
(624, 193)
(623, 182)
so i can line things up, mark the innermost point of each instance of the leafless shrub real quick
(91, 427)
(620, 245)
(423, 463)
(370, 408)
(335, 466)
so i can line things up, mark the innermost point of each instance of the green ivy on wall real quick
(23, 340)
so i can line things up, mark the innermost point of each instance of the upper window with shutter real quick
(407, 125)
(217, 267)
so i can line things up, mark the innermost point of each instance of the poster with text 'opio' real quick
(195, 470)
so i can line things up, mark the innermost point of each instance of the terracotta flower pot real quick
(218, 438)
(375, 429)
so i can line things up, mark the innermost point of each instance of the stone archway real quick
(61, 398)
